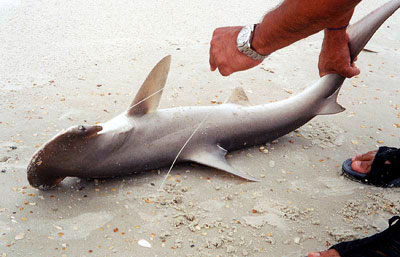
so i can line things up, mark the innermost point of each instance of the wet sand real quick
(69, 63)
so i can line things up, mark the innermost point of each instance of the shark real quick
(144, 137)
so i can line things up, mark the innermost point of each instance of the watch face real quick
(243, 36)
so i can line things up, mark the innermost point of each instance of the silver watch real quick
(243, 43)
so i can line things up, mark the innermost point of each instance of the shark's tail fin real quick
(362, 31)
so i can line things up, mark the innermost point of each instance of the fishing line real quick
(187, 141)
(144, 99)
(184, 145)
(180, 151)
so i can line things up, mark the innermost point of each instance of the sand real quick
(65, 63)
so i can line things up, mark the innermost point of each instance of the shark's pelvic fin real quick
(214, 156)
(238, 96)
(149, 95)
(331, 105)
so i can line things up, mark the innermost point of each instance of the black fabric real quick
(381, 173)
(383, 244)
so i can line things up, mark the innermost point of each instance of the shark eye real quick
(82, 128)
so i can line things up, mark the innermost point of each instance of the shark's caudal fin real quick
(149, 95)
(238, 96)
(214, 156)
(362, 31)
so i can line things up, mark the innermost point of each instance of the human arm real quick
(289, 22)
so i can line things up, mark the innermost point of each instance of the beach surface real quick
(66, 63)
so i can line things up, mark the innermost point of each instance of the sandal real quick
(383, 244)
(382, 173)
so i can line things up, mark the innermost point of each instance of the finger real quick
(213, 65)
(224, 72)
(323, 73)
(354, 69)
(350, 71)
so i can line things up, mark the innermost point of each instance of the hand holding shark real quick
(144, 138)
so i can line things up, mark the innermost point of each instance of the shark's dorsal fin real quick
(214, 156)
(238, 96)
(149, 95)
(331, 105)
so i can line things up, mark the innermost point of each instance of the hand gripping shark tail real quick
(359, 35)
(144, 138)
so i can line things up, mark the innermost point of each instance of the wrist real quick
(339, 35)
(339, 28)
(258, 42)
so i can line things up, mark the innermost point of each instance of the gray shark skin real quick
(145, 138)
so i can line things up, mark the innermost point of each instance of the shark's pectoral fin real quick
(238, 96)
(214, 156)
(331, 105)
(149, 95)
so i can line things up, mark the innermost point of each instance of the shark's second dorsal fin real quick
(149, 95)
(238, 96)
(331, 105)
(214, 156)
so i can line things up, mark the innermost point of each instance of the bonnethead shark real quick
(146, 138)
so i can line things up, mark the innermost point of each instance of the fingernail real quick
(314, 254)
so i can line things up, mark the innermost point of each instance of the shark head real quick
(66, 151)
(77, 149)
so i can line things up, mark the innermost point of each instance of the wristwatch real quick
(243, 43)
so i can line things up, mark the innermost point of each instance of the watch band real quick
(246, 48)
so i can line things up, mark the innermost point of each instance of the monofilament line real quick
(144, 99)
(184, 145)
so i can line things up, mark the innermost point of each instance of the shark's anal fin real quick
(331, 105)
(214, 156)
(149, 95)
(238, 96)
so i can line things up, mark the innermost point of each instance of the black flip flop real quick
(381, 174)
(383, 244)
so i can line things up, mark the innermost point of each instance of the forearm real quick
(293, 20)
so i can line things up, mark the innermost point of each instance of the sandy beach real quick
(65, 63)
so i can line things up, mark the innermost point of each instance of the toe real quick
(329, 253)
(368, 156)
(365, 157)
(361, 166)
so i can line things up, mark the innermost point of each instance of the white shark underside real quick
(144, 138)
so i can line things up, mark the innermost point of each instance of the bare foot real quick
(329, 253)
(362, 162)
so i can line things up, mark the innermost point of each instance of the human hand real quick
(335, 55)
(224, 54)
